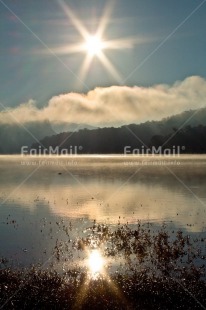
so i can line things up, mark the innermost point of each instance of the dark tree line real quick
(191, 139)
(114, 140)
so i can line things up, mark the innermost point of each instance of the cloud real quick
(115, 105)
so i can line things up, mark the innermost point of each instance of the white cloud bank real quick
(115, 105)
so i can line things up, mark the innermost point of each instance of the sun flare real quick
(94, 45)
(95, 262)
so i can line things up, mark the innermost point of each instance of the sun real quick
(94, 45)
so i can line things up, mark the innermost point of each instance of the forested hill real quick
(113, 140)
(105, 140)
(190, 139)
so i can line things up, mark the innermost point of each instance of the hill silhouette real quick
(185, 129)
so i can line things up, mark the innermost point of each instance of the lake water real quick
(41, 198)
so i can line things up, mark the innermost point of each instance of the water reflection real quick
(95, 264)
(105, 188)
(100, 188)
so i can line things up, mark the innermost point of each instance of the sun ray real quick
(108, 65)
(127, 43)
(120, 43)
(105, 18)
(77, 23)
(85, 66)
(65, 50)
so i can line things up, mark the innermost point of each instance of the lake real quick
(45, 200)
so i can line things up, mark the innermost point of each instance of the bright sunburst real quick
(94, 45)
(95, 263)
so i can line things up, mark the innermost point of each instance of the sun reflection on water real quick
(95, 264)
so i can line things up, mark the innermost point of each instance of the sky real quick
(157, 47)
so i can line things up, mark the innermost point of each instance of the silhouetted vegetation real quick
(114, 140)
(192, 139)
(48, 290)
(157, 270)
